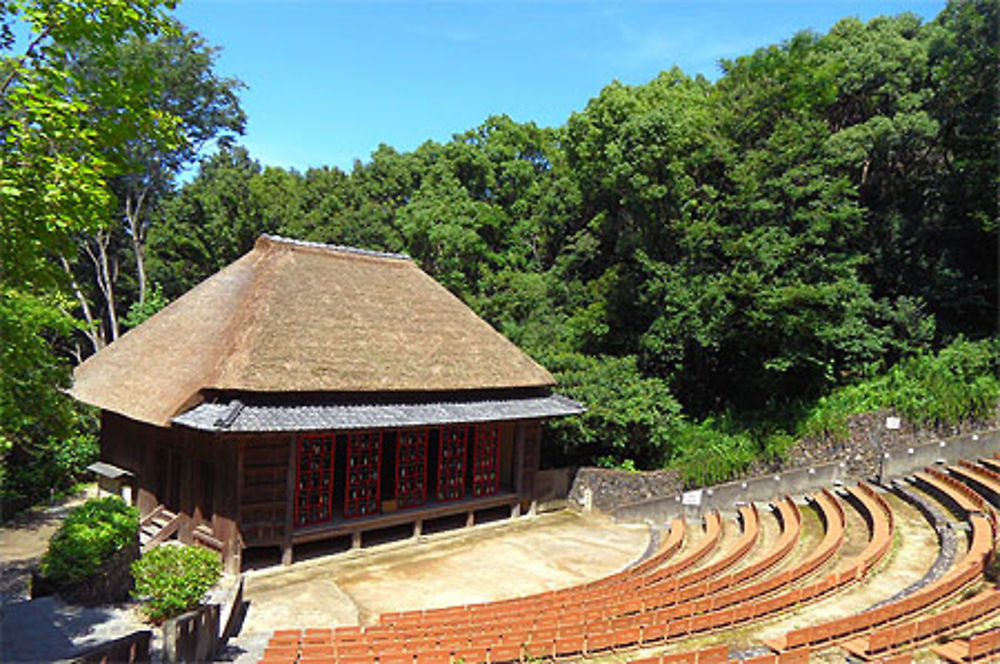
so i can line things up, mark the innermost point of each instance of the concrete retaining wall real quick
(693, 504)
(198, 635)
(552, 484)
(900, 462)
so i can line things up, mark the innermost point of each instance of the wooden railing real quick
(130, 649)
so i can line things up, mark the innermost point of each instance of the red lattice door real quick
(411, 468)
(486, 461)
(451, 464)
(364, 465)
(314, 480)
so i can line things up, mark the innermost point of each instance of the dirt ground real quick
(26, 538)
(497, 561)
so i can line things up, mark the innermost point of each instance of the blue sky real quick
(329, 81)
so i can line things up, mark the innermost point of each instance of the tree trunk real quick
(133, 216)
(93, 330)
(106, 271)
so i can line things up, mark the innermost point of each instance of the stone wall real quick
(111, 584)
(868, 440)
(610, 488)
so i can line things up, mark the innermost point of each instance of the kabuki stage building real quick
(309, 392)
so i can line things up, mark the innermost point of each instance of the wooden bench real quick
(980, 648)
(968, 569)
(910, 634)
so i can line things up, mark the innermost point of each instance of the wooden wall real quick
(190, 472)
(241, 486)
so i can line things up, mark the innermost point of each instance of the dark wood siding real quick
(265, 489)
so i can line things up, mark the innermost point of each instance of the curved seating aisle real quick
(886, 636)
(679, 592)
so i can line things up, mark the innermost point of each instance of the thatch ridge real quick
(291, 316)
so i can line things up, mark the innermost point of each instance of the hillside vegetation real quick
(713, 268)
(698, 262)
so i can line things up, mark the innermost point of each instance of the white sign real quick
(892, 423)
(691, 498)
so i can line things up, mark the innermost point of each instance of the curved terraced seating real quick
(569, 636)
(967, 570)
(680, 592)
(913, 633)
(981, 478)
(955, 493)
(547, 606)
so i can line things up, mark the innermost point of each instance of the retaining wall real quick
(609, 488)
(905, 461)
(693, 504)
(198, 635)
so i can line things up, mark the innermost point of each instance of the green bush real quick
(89, 535)
(711, 451)
(960, 382)
(173, 579)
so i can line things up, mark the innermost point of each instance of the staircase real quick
(157, 527)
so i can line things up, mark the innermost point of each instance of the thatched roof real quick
(299, 317)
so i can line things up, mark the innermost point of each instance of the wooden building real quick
(309, 391)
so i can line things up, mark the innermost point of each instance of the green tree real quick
(54, 169)
(214, 219)
(189, 106)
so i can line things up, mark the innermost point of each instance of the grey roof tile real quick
(250, 417)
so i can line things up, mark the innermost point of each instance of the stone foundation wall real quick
(111, 584)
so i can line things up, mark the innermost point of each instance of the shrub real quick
(173, 579)
(89, 535)
(960, 382)
(711, 451)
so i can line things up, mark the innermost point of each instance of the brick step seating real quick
(654, 597)
(568, 617)
(496, 641)
(598, 590)
(983, 647)
(955, 494)
(623, 632)
(993, 464)
(578, 598)
(983, 479)
(802, 657)
(966, 571)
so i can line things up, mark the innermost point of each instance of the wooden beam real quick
(286, 546)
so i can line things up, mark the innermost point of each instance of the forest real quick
(714, 268)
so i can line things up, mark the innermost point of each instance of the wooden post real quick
(418, 528)
(519, 459)
(286, 544)
(356, 539)
(470, 519)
